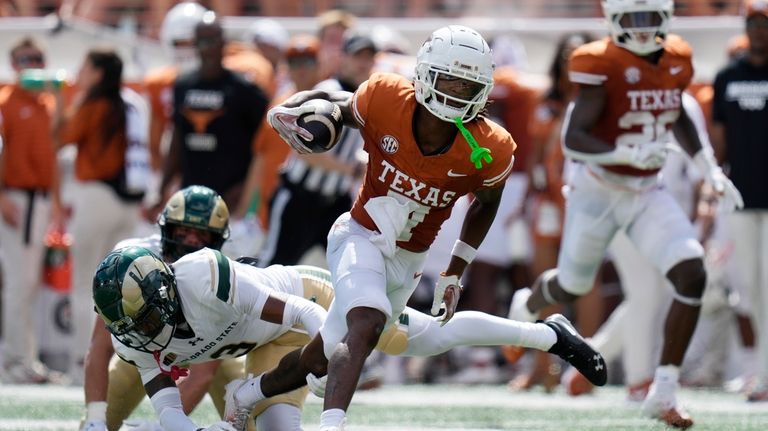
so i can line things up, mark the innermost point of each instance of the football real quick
(324, 124)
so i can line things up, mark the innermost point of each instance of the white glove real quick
(142, 425)
(245, 237)
(714, 176)
(317, 384)
(443, 283)
(94, 426)
(651, 155)
(283, 120)
(220, 426)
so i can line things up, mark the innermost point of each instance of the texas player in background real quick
(628, 101)
(420, 137)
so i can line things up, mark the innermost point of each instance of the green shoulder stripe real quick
(223, 285)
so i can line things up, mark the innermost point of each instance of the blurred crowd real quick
(200, 120)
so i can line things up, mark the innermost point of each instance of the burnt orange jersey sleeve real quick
(385, 106)
(513, 105)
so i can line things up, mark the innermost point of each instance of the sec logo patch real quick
(389, 144)
(632, 75)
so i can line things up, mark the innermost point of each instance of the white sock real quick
(518, 310)
(667, 375)
(473, 328)
(332, 418)
(250, 393)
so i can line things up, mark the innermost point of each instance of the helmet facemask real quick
(194, 208)
(443, 105)
(453, 52)
(135, 294)
(640, 27)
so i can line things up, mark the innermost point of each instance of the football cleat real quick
(759, 393)
(235, 413)
(661, 404)
(571, 347)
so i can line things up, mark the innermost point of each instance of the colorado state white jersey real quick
(222, 301)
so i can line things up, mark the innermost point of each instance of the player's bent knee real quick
(689, 279)
(365, 325)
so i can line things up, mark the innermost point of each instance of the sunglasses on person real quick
(26, 60)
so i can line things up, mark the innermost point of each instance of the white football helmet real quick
(459, 52)
(639, 25)
(177, 33)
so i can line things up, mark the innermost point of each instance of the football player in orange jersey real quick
(628, 102)
(423, 141)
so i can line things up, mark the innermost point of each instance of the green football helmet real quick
(135, 294)
(196, 207)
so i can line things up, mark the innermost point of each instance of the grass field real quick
(428, 408)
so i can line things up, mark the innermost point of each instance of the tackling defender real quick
(193, 218)
(206, 306)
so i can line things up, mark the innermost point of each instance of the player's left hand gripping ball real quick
(312, 127)
(447, 290)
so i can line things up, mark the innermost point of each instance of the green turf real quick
(425, 408)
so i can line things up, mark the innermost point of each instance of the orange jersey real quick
(29, 154)
(385, 106)
(513, 105)
(643, 99)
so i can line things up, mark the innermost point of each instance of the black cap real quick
(356, 42)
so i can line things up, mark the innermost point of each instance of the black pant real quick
(299, 220)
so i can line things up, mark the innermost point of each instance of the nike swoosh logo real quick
(417, 275)
(675, 70)
(455, 174)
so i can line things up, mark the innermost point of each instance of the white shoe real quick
(518, 310)
(33, 373)
(661, 404)
(235, 413)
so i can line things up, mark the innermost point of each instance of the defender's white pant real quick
(363, 277)
(749, 230)
(600, 203)
(22, 249)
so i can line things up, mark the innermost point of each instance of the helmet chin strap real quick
(479, 154)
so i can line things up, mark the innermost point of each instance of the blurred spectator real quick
(29, 204)
(105, 206)
(739, 115)
(270, 39)
(319, 184)
(270, 150)
(216, 114)
(331, 27)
